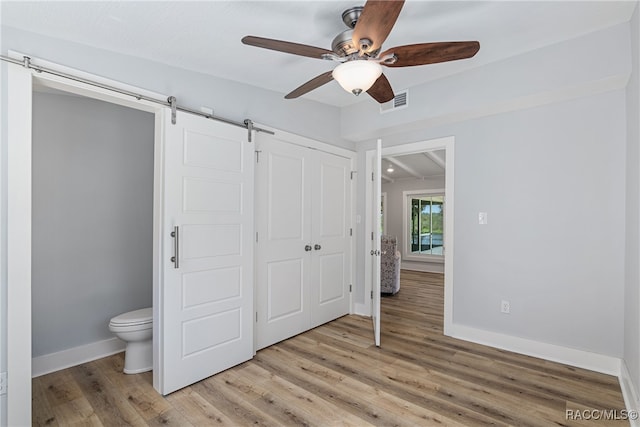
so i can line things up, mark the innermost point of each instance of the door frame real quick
(21, 82)
(444, 143)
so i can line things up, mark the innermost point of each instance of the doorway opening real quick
(22, 82)
(92, 224)
(445, 146)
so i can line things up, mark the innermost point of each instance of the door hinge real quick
(256, 317)
(372, 178)
(372, 235)
(351, 232)
(371, 294)
(350, 288)
(258, 156)
(352, 172)
(3, 383)
(256, 237)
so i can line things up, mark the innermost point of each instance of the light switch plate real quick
(482, 218)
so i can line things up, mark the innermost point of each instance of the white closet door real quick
(283, 221)
(331, 261)
(205, 313)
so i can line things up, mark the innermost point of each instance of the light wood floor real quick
(333, 376)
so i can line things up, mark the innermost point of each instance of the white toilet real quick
(135, 328)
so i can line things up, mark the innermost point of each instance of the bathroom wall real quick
(92, 218)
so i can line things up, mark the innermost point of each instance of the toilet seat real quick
(141, 317)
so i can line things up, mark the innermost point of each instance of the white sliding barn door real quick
(331, 241)
(206, 293)
(284, 242)
(303, 248)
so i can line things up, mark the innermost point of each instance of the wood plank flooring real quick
(333, 376)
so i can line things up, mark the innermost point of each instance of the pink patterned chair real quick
(389, 265)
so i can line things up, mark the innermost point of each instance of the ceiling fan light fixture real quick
(357, 76)
(390, 168)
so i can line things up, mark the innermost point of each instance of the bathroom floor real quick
(333, 375)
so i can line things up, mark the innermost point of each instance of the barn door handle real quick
(176, 246)
(317, 247)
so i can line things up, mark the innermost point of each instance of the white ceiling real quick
(205, 35)
(414, 166)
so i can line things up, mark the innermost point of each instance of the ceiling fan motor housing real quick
(343, 45)
(350, 16)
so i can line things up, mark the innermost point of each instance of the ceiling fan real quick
(358, 51)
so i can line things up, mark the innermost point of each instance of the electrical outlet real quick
(3, 383)
(505, 307)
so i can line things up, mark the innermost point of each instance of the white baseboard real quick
(555, 353)
(52, 362)
(362, 309)
(425, 267)
(629, 393)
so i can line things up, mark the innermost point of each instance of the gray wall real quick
(552, 181)
(228, 99)
(92, 218)
(541, 78)
(550, 132)
(632, 247)
(395, 204)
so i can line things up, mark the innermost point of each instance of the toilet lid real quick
(136, 317)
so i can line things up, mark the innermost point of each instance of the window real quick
(424, 225)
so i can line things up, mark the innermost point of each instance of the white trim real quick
(629, 393)
(579, 358)
(19, 246)
(78, 88)
(52, 362)
(307, 142)
(354, 234)
(21, 82)
(447, 143)
(365, 308)
(406, 237)
(425, 267)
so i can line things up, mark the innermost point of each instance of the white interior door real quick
(375, 244)
(303, 247)
(283, 247)
(331, 260)
(205, 301)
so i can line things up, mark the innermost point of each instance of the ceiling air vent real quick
(401, 100)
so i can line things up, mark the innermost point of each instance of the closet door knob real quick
(317, 247)
(307, 248)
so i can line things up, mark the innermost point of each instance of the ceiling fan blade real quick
(375, 23)
(431, 53)
(381, 90)
(287, 47)
(312, 84)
